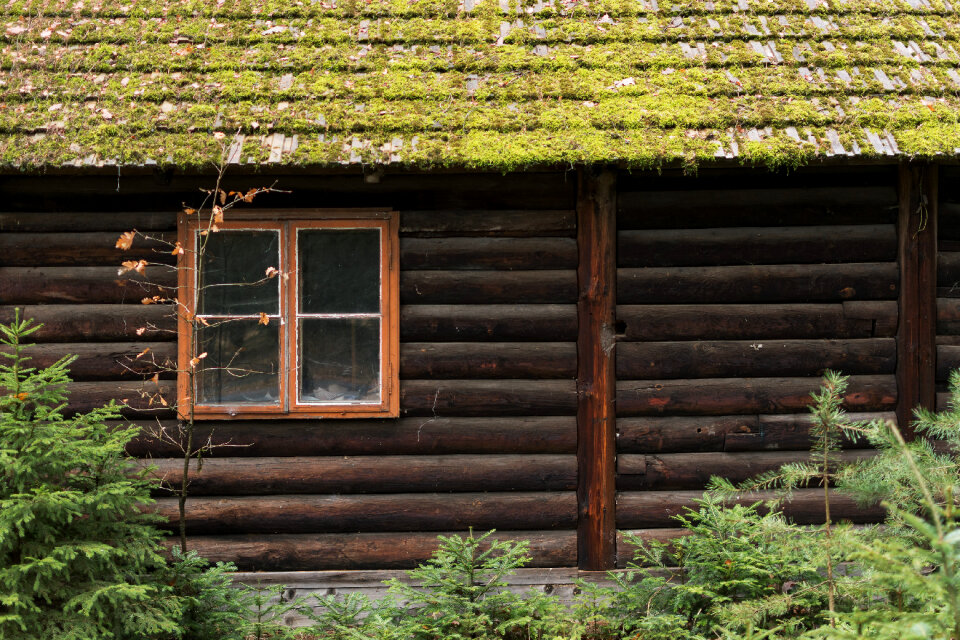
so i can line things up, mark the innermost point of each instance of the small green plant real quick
(76, 546)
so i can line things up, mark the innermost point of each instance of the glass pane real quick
(340, 360)
(233, 278)
(339, 270)
(242, 365)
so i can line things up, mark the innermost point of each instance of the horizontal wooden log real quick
(229, 476)
(503, 322)
(392, 512)
(108, 360)
(757, 207)
(757, 245)
(67, 221)
(488, 287)
(353, 551)
(80, 249)
(648, 509)
(713, 396)
(488, 253)
(723, 433)
(948, 360)
(792, 432)
(488, 360)
(763, 283)
(143, 399)
(753, 359)
(694, 470)
(859, 319)
(948, 316)
(406, 436)
(516, 223)
(83, 285)
(467, 398)
(488, 397)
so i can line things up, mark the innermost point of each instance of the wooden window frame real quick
(288, 223)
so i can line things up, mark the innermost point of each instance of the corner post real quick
(917, 304)
(596, 378)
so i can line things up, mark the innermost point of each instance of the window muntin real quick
(296, 316)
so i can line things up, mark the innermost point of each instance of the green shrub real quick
(76, 548)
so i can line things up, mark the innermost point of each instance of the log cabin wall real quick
(487, 434)
(948, 281)
(734, 292)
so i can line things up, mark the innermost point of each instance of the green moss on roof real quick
(491, 84)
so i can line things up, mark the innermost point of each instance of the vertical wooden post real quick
(917, 255)
(596, 378)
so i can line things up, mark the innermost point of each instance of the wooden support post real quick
(917, 255)
(596, 382)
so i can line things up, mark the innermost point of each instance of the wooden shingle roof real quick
(476, 83)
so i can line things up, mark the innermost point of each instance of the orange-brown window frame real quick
(288, 222)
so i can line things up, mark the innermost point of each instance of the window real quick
(289, 314)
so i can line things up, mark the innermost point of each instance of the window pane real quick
(340, 360)
(339, 270)
(242, 364)
(233, 277)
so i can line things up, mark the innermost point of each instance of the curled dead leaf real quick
(177, 249)
(189, 211)
(141, 331)
(248, 197)
(22, 396)
(140, 266)
(264, 318)
(203, 321)
(125, 241)
(272, 272)
(196, 360)
(218, 211)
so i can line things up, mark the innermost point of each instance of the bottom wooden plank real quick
(364, 550)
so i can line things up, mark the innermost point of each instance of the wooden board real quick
(488, 253)
(488, 287)
(488, 360)
(83, 285)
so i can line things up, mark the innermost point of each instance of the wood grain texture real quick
(596, 370)
(511, 222)
(74, 221)
(488, 360)
(488, 398)
(762, 283)
(648, 509)
(108, 360)
(859, 319)
(406, 436)
(81, 249)
(354, 551)
(493, 322)
(753, 359)
(757, 245)
(488, 253)
(378, 512)
(83, 285)
(734, 396)
(488, 287)
(97, 322)
(229, 476)
(917, 250)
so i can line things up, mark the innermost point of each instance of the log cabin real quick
(541, 266)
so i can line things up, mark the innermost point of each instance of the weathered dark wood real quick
(352, 551)
(694, 470)
(229, 476)
(681, 434)
(674, 434)
(916, 337)
(596, 377)
(505, 322)
(761, 283)
(108, 360)
(137, 399)
(791, 432)
(488, 287)
(67, 221)
(488, 360)
(948, 269)
(713, 396)
(792, 205)
(643, 509)
(948, 360)
(757, 245)
(757, 321)
(83, 285)
(80, 249)
(488, 397)
(948, 316)
(406, 436)
(753, 359)
(516, 223)
(392, 512)
(488, 253)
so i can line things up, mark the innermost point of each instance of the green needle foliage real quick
(76, 549)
